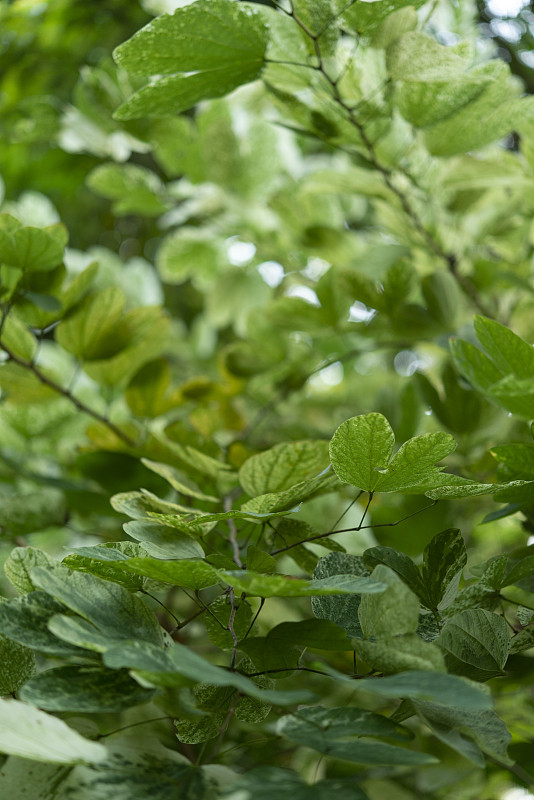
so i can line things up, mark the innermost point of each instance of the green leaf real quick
(283, 466)
(361, 450)
(264, 783)
(393, 612)
(17, 664)
(170, 667)
(400, 653)
(399, 563)
(343, 609)
(345, 733)
(172, 476)
(109, 607)
(364, 18)
(444, 558)
(89, 331)
(436, 687)
(414, 462)
(289, 586)
(135, 190)
(139, 505)
(259, 561)
(18, 339)
(360, 447)
(509, 352)
(31, 249)
(163, 541)
(276, 503)
(494, 112)
(484, 730)
(100, 561)
(84, 689)
(315, 634)
(416, 57)
(220, 42)
(20, 563)
(32, 734)
(190, 573)
(522, 641)
(25, 620)
(518, 457)
(190, 253)
(476, 643)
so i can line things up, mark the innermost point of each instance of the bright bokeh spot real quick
(272, 273)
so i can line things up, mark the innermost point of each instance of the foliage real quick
(266, 475)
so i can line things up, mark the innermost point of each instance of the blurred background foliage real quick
(256, 283)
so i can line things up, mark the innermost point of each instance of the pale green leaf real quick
(289, 586)
(416, 57)
(391, 613)
(89, 331)
(25, 620)
(283, 466)
(25, 731)
(135, 189)
(173, 477)
(400, 653)
(18, 339)
(190, 574)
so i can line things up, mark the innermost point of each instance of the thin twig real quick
(354, 529)
(256, 615)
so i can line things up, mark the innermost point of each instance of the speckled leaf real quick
(84, 689)
(17, 664)
(19, 564)
(112, 609)
(343, 609)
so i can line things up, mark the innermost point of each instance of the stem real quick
(231, 621)
(359, 527)
(224, 727)
(256, 615)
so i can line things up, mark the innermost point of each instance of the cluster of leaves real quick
(321, 239)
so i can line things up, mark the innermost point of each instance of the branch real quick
(432, 243)
(56, 387)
